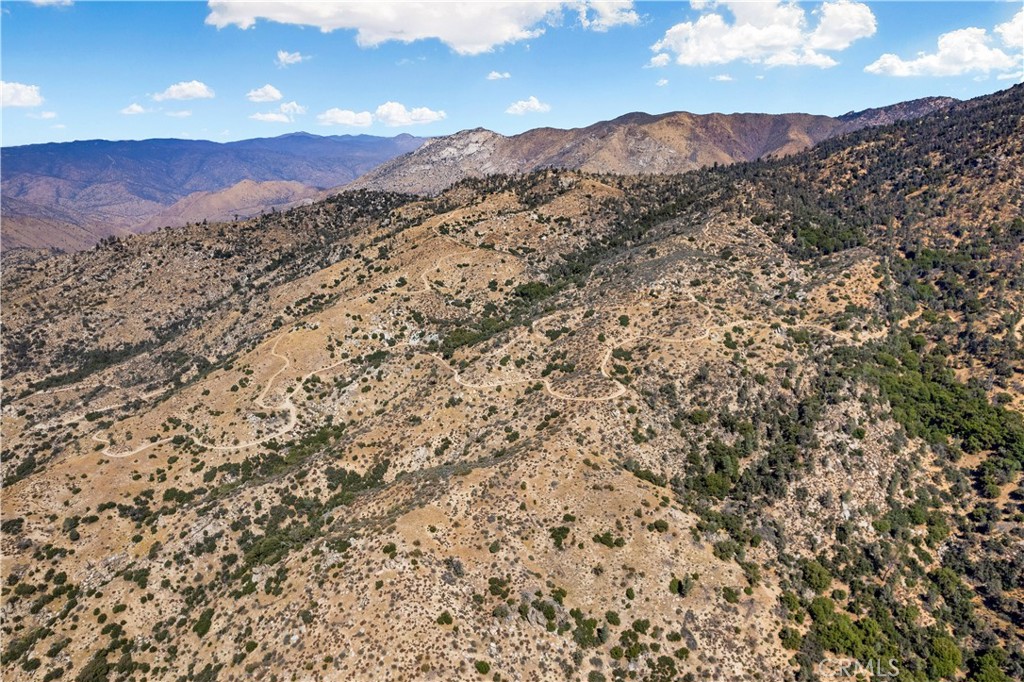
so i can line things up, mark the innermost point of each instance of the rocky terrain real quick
(68, 196)
(742, 423)
(631, 144)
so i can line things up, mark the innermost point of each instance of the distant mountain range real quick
(69, 196)
(635, 143)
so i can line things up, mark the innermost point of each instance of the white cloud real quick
(285, 113)
(292, 109)
(662, 82)
(1012, 32)
(19, 95)
(44, 115)
(498, 75)
(394, 114)
(133, 109)
(723, 78)
(271, 117)
(185, 90)
(525, 106)
(344, 117)
(184, 113)
(841, 24)
(52, 3)
(659, 60)
(966, 50)
(607, 14)
(268, 93)
(468, 28)
(771, 32)
(284, 58)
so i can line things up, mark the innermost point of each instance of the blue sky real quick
(128, 70)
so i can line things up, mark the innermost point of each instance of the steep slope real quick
(746, 423)
(634, 143)
(103, 188)
(245, 199)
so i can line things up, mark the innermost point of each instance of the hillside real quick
(245, 199)
(743, 423)
(71, 195)
(634, 143)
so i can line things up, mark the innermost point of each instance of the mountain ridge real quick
(633, 142)
(110, 188)
(70, 195)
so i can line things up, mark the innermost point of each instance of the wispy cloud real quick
(271, 117)
(498, 75)
(285, 58)
(285, 113)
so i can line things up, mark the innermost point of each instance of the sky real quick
(234, 70)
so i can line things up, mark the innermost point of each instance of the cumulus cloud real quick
(391, 114)
(772, 32)
(468, 28)
(841, 24)
(19, 95)
(268, 93)
(723, 78)
(345, 117)
(528, 106)
(498, 75)
(185, 90)
(133, 109)
(285, 113)
(1012, 32)
(394, 114)
(966, 50)
(662, 82)
(44, 115)
(286, 58)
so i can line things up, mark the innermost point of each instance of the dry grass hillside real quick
(556, 426)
